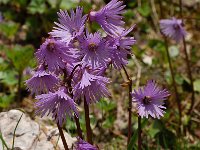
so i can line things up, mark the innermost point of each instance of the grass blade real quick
(15, 131)
(3, 141)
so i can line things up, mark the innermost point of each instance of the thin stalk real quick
(19, 86)
(178, 101)
(62, 137)
(130, 106)
(68, 81)
(87, 121)
(139, 134)
(187, 63)
(78, 127)
(190, 76)
(14, 133)
(174, 83)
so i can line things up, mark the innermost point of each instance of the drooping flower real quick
(173, 28)
(150, 100)
(110, 16)
(95, 50)
(83, 145)
(69, 27)
(55, 54)
(121, 47)
(91, 87)
(59, 104)
(42, 82)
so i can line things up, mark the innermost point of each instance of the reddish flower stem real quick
(19, 86)
(68, 81)
(62, 137)
(87, 121)
(178, 101)
(78, 127)
(129, 107)
(190, 76)
(139, 133)
(174, 83)
(187, 62)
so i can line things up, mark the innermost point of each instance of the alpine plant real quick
(72, 61)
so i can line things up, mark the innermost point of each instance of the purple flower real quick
(173, 28)
(121, 48)
(55, 54)
(42, 82)
(150, 100)
(92, 87)
(83, 145)
(110, 16)
(1, 17)
(95, 50)
(59, 104)
(69, 27)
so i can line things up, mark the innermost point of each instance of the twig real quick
(62, 137)
(87, 121)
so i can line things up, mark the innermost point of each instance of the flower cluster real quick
(72, 61)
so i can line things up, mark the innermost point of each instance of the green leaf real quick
(3, 141)
(68, 4)
(144, 10)
(9, 77)
(9, 29)
(20, 56)
(5, 100)
(166, 139)
(37, 6)
(106, 105)
(129, 14)
(197, 85)
(108, 123)
(87, 6)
